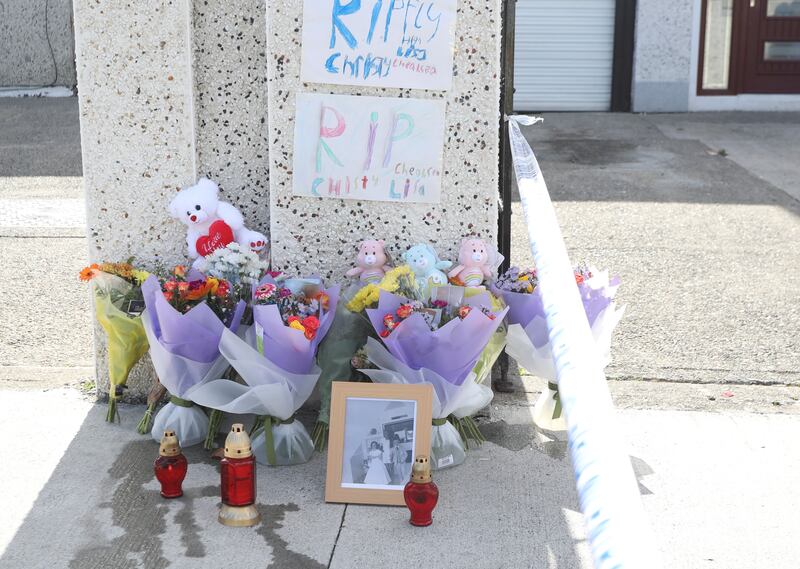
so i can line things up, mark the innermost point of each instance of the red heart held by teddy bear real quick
(219, 235)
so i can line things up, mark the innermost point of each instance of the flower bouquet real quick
(241, 268)
(184, 322)
(439, 343)
(349, 334)
(118, 307)
(528, 341)
(276, 360)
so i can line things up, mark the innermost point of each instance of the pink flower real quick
(265, 291)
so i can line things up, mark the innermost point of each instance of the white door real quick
(564, 55)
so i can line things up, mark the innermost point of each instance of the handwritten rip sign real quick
(368, 148)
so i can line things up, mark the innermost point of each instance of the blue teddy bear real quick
(427, 267)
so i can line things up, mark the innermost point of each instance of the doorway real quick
(749, 46)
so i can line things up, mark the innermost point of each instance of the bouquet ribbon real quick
(269, 439)
(554, 388)
(175, 400)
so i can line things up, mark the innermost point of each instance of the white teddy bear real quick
(211, 224)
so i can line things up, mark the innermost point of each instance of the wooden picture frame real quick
(365, 418)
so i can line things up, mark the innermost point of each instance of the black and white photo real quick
(378, 443)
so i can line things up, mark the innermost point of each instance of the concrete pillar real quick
(173, 90)
(137, 123)
(310, 234)
(167, 90)
(230, 80)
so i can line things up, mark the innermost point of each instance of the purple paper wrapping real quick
(194, 335)
(289, 348)
(451, 351)
(523, 308)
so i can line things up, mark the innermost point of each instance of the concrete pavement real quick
(715, 487)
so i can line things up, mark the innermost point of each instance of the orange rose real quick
(196, 290)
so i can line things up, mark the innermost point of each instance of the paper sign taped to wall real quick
(368, 148)
(379, 43)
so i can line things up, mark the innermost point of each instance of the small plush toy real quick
(427, 267)
(211, 224)
(476, 261)
(372, 262)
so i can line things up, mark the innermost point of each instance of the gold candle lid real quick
(421, 471)
(237, 444)
(169, 444)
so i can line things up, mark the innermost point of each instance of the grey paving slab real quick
(39, 187)
(718, 488)
(37, 213)
(502, 509)
(92, 500)
(662, 396)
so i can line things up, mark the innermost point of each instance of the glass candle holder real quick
(170, 467)
(421, 494)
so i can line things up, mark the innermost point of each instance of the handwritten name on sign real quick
(381, 43)
(368, 148)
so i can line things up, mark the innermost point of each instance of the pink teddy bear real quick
(476, 262)
(372, 263)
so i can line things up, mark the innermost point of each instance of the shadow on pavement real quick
(101, 508)
(628, 158)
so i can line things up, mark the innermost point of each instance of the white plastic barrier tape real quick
(618, 531)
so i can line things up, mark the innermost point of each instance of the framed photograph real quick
(376, 430)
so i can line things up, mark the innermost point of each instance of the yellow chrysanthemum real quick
(140, 275)
(361, 299)
(391, 281)
(369, 294)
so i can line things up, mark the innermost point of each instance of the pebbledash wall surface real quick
(175, 90)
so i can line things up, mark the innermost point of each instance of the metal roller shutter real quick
(564, 55)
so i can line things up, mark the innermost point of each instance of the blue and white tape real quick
(617, 529)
